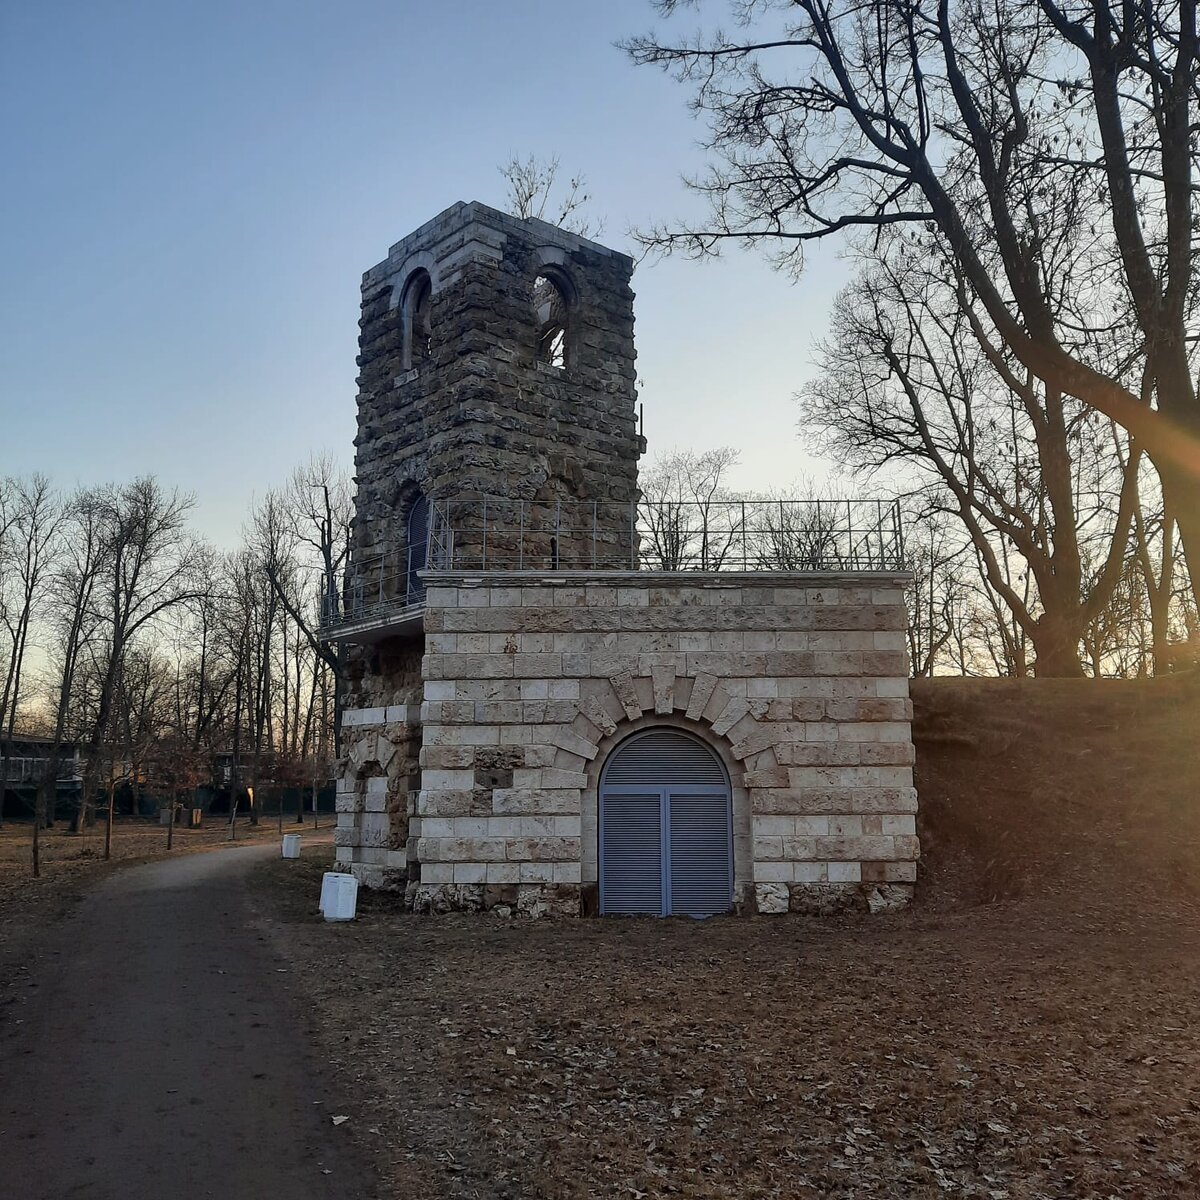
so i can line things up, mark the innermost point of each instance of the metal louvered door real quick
(701, 858)
(631, 852)
(666, 835)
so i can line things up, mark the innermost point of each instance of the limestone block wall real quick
(378, 778)
(800, 682)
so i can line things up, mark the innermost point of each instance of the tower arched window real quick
(417, 545)
(552, 310)
(415, 306)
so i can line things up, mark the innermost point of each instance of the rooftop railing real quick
(490, 534)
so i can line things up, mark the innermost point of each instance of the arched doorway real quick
(666, 828)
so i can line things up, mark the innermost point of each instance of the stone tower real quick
(496, 360)
(547, 711)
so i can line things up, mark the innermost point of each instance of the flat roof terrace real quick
(604, 542)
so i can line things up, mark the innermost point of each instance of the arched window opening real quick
(552, 311)
(416, 548)
(418, 332)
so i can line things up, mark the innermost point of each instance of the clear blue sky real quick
(193, 190)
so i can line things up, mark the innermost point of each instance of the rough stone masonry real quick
(481, 714)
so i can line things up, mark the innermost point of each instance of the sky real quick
(193, 191)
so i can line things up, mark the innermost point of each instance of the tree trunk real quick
(1183, 497)
(1056, 650)
(39, 813)
(108, 822)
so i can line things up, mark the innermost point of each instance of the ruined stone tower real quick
(560, 698)
(496, 360)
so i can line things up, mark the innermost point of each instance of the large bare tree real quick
(963, 122)
(908, 381)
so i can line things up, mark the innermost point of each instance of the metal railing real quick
(495, 534)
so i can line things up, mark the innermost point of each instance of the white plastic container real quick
(339, 896)
(291, 845)
(327, 886)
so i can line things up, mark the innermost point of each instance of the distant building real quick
(24, 762)
(563, 699)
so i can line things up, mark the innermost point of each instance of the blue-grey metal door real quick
(666, 828)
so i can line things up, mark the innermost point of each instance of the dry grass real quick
(1026, 1030)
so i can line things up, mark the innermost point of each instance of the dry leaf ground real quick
(1028, 1029)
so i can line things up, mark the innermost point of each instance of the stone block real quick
(884, 662)
(837, 663)
(506, 801)
(355, 717)
(542, 666)
(725, 665)
(598, 715)
(505, 597)
(567, 739)
(498, 712)
(626, 693)
(732, 712)
(764, 825)
(549, 777)
(446, 803)
(771, 898)
(543, 849)
(810, 872)
(469, 643)
(760, 738)
(771, 777)
(663, 686)
(875, 731)
(441, 597)
(887, 753)
(766, 848)
(469, 666)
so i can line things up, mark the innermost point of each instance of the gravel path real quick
(154, 1049)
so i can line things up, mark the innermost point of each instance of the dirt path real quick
(155, 1049)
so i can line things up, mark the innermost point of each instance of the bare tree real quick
(150, 568)
(72, 588)
(318, 507)
(535, 190)
(909, 380)
(685, 509)
(963, 122)
(32, 536)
